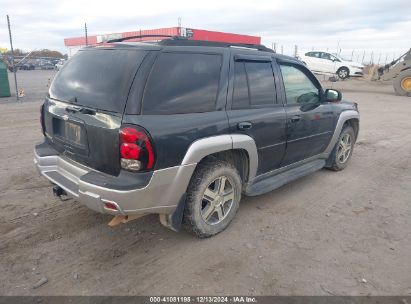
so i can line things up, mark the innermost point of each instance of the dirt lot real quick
(345, 233)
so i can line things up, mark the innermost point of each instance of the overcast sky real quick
(381, 26)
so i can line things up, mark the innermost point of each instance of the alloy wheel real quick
(217, 200)
(344, 148)
(343, 73)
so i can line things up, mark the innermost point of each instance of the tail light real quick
(136, 149)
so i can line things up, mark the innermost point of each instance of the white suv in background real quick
(60, 64)
(327, 63)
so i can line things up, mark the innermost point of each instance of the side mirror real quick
(332, 95)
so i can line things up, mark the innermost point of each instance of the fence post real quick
(85, 33)
(12, 58)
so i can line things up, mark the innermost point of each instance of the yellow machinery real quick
(399, 71)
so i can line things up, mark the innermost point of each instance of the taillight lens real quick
(136, 149)
(129, 135)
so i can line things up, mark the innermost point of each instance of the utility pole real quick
(12, 58)
(282, 50)
(85, 31)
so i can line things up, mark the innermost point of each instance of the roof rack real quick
(185, 42)
(145, 36)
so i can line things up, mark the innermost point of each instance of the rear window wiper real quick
(72, 99)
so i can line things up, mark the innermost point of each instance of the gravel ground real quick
(345, 233)
(34, 83)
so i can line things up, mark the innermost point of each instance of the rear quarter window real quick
(182, 83)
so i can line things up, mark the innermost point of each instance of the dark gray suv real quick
(184, 128)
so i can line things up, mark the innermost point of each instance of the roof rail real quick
(186, 42)
(145, 36)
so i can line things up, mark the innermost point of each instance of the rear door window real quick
(182, 83)
(254, 85)
(241, 98)
(261, 83)
(97, 78)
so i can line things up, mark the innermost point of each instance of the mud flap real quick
(174, 220)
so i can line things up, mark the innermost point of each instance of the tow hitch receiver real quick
(118, 219)
(59, 192)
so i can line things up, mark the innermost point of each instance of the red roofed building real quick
(74, 44)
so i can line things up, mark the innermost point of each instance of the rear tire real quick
(343, 73)
(213, 198)
(402, 83)
(342, 151)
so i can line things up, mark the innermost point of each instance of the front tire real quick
(402, 83)
(343, 150)
(213, 198)
(343, 73)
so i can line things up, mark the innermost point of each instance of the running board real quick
(270, 183)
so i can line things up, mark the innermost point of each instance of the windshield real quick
(341, 57)
(97, 78)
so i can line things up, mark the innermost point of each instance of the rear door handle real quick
(295, 118)
(245, 125)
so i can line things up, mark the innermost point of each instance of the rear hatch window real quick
(97, 78)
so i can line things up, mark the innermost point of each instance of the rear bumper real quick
(160, 195)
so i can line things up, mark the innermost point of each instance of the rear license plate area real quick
(72, 133)
(69, 132)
